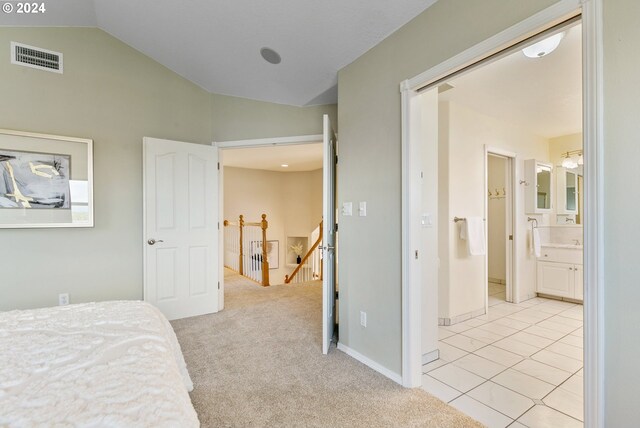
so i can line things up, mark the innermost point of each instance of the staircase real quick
(310, 267)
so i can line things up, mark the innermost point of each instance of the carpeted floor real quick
(258, 363)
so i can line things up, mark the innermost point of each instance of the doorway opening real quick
(308, 253)
(543, 326)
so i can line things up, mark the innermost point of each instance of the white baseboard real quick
(430, 356)
(370, 363)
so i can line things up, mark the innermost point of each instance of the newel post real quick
(265, 263)
(241, 256)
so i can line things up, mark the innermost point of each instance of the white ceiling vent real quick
(31, 56)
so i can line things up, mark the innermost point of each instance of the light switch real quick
(427, 220)
(347, 208)
(362, 209)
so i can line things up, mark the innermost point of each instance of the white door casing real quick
(329, 235)
(180, 183)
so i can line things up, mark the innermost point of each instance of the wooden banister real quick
(262, 257)
(289, 278)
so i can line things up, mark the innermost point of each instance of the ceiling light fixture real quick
(572, 159)
(543, 47)
(284, 165)
(270, 55)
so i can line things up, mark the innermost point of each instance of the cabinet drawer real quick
(560, 255)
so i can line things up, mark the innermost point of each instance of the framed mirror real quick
(45, 180)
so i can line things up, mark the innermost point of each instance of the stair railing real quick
(246, 248)
(310, 267)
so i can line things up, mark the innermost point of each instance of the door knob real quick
(153, 241)
(328, 247)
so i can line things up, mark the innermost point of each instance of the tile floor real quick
(519, 365)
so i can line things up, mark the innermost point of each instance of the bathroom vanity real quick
(560, 271)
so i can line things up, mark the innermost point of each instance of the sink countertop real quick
(567, 246)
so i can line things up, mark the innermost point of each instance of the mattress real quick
(115, 364)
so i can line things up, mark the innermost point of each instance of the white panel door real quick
(329, 235)
(180, 227)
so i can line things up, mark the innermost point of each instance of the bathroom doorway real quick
(499, 214)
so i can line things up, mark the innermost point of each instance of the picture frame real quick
(273, 252)
(46, 181)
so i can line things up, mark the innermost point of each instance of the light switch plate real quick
(362, 209)
(347, 208)
(427, 220)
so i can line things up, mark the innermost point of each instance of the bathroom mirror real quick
(539, 192)
(543, 179)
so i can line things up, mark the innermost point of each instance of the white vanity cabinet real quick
(560, 273)
(539, 190)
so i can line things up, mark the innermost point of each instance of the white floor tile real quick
(475, 322)
(544, 332)
(567, 321)
(456, 377)
(566, 402)
(549, 309)
(497, 328)
(463, 342)
(532, 339)
(513, 323)
(575, 385)
(457, 328)
(480, 366)
(450, 353)
(542, 371)
(544, 417)
(439, 389)
(517, 424)
(559, 361)
(482, 335)
(443, 333)
(501, 399)
(517, 347)
(499, 356)
(483, 414)
(554, 325)
(566, 350)
(426, 368)
(578, 332)
(524, 384)
(574, 314)
(573, 341)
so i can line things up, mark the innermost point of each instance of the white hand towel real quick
(535, 242)
(472, 230)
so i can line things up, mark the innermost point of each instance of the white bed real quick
(115, 364)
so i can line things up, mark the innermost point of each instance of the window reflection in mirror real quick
(544, 187)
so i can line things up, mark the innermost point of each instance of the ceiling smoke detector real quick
(270, 55)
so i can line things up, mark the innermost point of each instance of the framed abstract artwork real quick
(45, 180)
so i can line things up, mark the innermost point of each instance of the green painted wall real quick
(114, 95)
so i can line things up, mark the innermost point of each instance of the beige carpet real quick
(258, 363)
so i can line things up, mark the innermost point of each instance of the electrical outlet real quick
(363, 318)
(362, 209)
(63, 299)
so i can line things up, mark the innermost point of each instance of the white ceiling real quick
(543, 95)
(216, 43)
(302, 157)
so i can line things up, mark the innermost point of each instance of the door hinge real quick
(336, 159)
(510, 237)
(416, 254)
(218, 285)
(218, 166)
(218, 225)
(336, 227)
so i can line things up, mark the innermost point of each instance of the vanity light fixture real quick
(543, 47)
(284, 165)
(572, 159)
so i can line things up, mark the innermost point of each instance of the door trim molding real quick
(512, 289)
(593, 119)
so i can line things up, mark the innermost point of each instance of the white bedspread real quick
(115, 364)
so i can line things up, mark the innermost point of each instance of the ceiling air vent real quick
(30, 56)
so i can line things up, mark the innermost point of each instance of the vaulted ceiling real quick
(216, 43)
